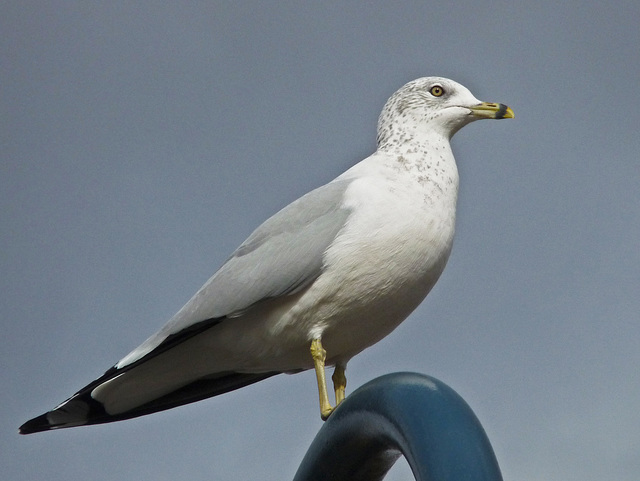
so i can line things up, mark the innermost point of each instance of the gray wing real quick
(280, 257)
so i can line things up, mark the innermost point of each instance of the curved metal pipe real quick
(398, 414)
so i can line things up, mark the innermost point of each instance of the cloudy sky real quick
(141, 144)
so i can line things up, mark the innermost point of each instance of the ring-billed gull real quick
(324, 278)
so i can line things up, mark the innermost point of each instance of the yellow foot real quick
(319, 356)
(324, 414)
(339, 382)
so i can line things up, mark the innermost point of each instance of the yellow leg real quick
(319, 356)
(339, 382)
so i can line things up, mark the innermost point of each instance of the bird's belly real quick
(352, 320)
(363, 294)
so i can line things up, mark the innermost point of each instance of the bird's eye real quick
(436, 91)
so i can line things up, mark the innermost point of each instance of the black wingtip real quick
(36, 425)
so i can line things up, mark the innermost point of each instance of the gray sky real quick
(142, 144)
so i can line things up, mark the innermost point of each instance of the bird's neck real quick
(425, 163)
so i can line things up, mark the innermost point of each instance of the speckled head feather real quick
(417, 109)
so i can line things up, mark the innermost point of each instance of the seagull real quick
(326, 277)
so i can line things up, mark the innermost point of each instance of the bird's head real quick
(433, 105)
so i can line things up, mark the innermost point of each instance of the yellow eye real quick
(436, 91)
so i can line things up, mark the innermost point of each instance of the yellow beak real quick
(487, 110)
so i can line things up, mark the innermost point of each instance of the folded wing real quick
(279, 258)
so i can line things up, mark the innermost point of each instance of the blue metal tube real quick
(407, 414)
